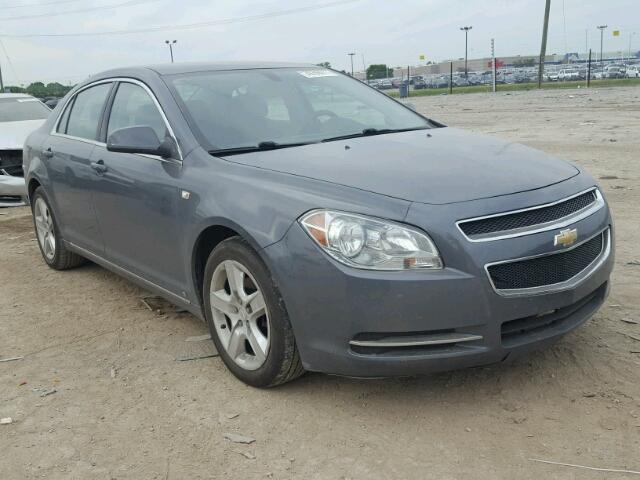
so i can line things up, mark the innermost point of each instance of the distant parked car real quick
(551, 77)
(633, 71)
(460, 81)
(52, 102)
(569, 74)
(19, 116)
(385, 84)
(419, 83)
(613, 71)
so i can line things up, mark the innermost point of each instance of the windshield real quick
(20, 109)
(280, 106)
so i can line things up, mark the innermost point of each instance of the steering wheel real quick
(324, 113)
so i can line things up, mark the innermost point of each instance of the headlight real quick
(370, 243)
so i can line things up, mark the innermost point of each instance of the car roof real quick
(178, 68)
(14, 95)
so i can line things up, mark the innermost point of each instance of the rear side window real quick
(86, 112)
(64, 120)
(133, 107)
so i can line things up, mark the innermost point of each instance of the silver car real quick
(19, 116)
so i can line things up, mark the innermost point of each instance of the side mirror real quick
(142, 140)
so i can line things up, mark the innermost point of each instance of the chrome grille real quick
(532, 220)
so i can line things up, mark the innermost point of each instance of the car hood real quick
(13, 134)
(436, 166)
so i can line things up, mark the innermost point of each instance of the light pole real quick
(466, 47)
(543, 45)
(171, 43)
(601, 28)
(351, 55)
(630, 37)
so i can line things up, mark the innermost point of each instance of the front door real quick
(138, 198)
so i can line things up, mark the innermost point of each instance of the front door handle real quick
(48, 153)
(99, 167)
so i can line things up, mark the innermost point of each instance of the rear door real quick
(67, 153)
(138, 199)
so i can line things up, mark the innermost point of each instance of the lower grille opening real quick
(10, 199)
(521, 330)
(549, 269)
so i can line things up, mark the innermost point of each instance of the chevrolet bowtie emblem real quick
(566, 238)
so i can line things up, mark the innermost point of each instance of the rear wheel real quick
(247, 317)
(54, 251)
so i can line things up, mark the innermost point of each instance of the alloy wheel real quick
(44, 229)
(240, 315)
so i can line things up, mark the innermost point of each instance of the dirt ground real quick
(124, 407)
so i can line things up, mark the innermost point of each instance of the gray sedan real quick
(315, 223)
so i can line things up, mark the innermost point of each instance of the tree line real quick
(39, 89)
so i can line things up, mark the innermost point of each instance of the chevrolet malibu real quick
(315, 223)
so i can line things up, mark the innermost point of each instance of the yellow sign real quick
(616, 33)
(423, 57)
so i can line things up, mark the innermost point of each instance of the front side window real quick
(84, 118)
(133, 107)
(21, 109)
(244, 108)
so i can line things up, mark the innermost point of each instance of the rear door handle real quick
(48, 153)
(99, 167)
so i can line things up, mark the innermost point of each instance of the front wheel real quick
(247, 317)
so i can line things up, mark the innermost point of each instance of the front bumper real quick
(335, 309)
(13, 191)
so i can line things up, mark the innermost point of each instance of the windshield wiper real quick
(260, 147)
(368, 132)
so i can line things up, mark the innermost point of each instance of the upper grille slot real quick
(549, 269)
(527, 218)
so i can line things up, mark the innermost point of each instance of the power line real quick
(80, 10)
(43, 4)
(168, 28)
(6, 54)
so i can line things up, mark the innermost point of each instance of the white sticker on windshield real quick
(317, 73)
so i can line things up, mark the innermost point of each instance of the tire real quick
(227, 320)
(55, 253)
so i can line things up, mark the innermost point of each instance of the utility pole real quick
(543, 47)
(1, 84)
(602, 29)
(586, 40)
(466, 48)
(630, 37)
(493, 59)
(171, 43)
(351, 55)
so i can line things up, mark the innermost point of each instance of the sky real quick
(395, 32)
